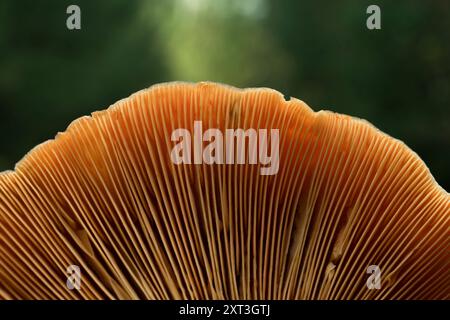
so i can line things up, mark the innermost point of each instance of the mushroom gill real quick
(106, 197)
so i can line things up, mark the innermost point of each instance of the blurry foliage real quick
(398, 77)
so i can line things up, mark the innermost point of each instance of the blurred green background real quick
(321, 52)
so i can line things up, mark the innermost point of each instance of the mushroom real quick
(106, 197)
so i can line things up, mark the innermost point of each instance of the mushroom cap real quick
(105, 196)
